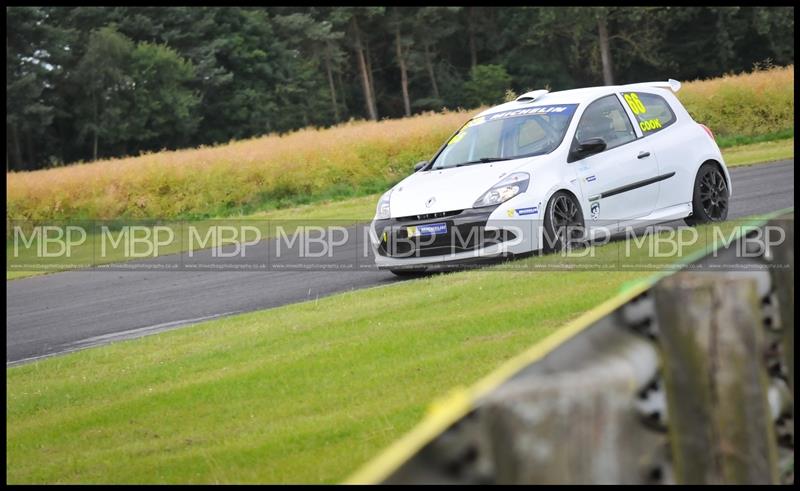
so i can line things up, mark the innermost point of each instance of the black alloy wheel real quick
(710, 201)
(563, 222)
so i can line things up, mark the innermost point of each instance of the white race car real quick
(515, 176)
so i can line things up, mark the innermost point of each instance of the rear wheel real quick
(563, 222)
(710, 197)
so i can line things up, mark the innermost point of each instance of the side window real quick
(652, 112)
(605, 118)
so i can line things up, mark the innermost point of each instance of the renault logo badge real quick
(430, 202)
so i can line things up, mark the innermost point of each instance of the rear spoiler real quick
(671, 84)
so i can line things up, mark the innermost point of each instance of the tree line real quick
(84, 83)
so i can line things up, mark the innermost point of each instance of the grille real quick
(429, 216)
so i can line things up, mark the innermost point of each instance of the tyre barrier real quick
(686, 377)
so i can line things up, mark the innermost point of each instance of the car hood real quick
(450, 189)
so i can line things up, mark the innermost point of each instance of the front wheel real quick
(563, 222)
(710, 197)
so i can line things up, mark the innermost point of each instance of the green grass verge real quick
(292, 394)
(735, 141)
(345, 212)
(301, 393)
(758, 153)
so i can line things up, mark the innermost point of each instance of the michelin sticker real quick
(595, 211)
(533, 210)
(563, 108)
(427, 229)
(566, 109)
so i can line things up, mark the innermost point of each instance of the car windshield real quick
(507, 135)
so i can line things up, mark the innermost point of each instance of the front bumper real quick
(473, 234)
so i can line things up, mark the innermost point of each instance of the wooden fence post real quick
(783, 281)
(720, 427)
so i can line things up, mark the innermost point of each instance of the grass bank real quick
(310, 164)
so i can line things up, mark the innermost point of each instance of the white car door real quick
(617, 183)
(672, 143)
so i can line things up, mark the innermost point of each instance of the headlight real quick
(383, 210)
(507, 188)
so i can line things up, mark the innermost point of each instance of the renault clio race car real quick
(515, 176)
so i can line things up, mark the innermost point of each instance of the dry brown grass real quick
(212, 180)
(749, 104)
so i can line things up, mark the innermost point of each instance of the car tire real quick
(562, 210)
(710, 196)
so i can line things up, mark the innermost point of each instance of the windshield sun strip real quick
(572, 108)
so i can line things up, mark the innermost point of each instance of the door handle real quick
(643, 155)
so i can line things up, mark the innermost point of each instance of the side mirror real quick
(590, 147)
(420, 165)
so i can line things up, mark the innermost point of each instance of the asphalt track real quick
(63, 312)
